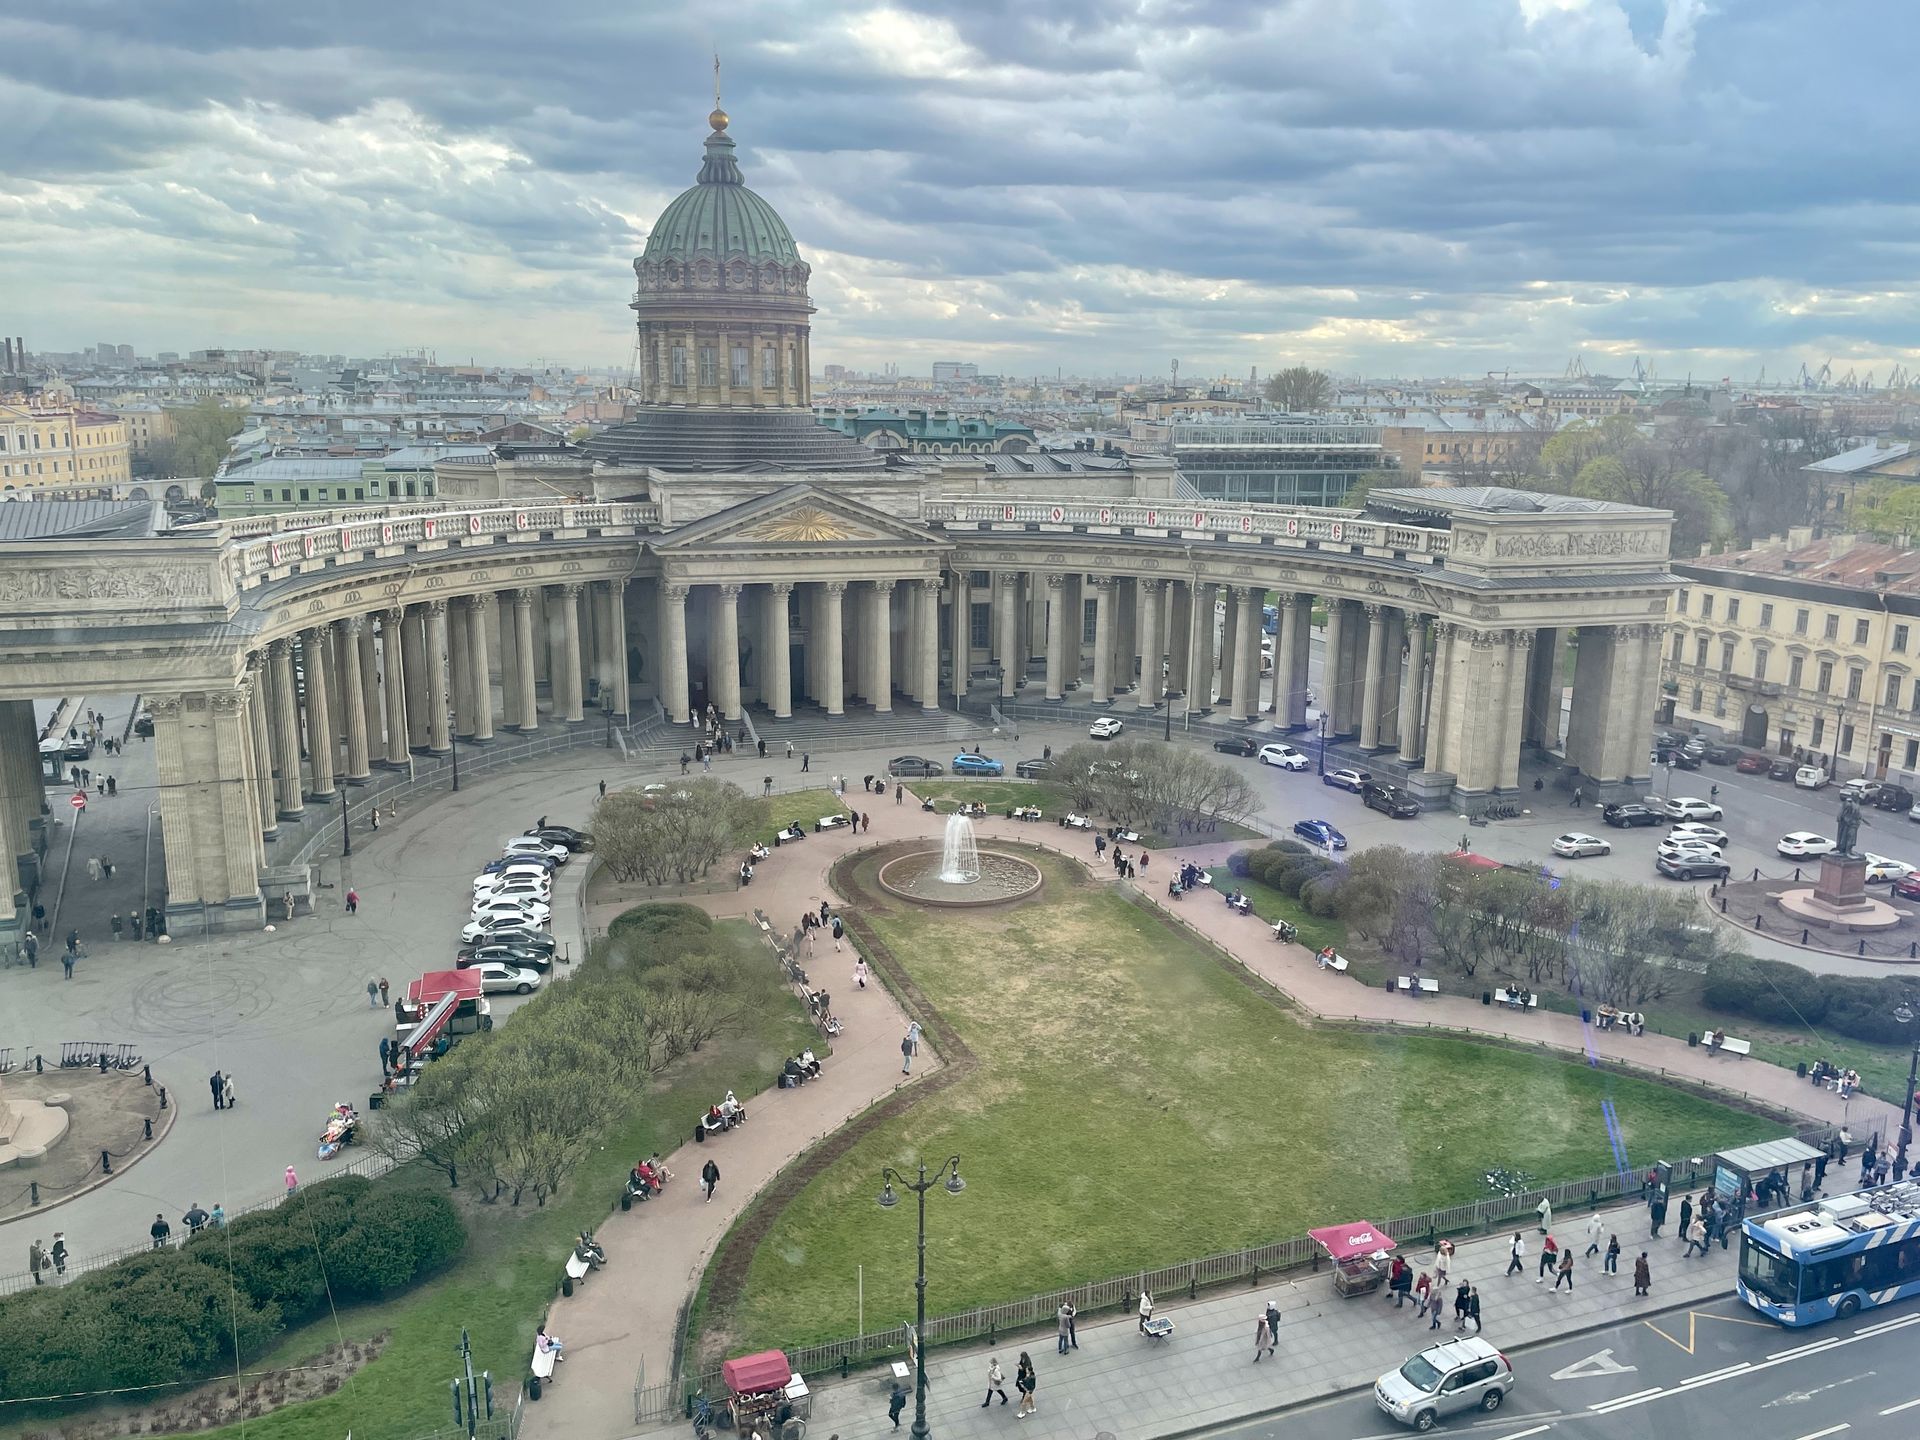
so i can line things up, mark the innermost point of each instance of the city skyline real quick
(1373, 189)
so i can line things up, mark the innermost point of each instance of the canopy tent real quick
(757, 1374)
(1352, 1241)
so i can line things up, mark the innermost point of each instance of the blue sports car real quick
(1319, 832)
(969, 764)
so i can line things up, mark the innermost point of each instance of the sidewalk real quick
(1204, 1375)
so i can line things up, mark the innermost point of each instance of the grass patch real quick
(510, 1272)
(1001, 795)
(801, 807)
(1136, 1103)
(1270, 905)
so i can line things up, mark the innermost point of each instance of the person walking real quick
(1460, 1307)
(1026, 1382)
(159, 1230)
(1565, 1272)
(1549, 1255)
(1516, 1254)
(1273, 1325)
(353, 901)
(1545, 1211)
(1424, 1294)
(1060, 1328)
(1659, 1212)
(1696, 1235)
(896, 1402)
(226, 1091)
(1073, 1336)
(1261, 1335)
(1686, 1215)
(996, 1382)
(1594, 1231)
(37, 1261)
(709, 1179)
(293, 1182)
(806, 762)
(860, 974)
(373, 986)
(115, 924)
(30, 946)
(906, 1055)
(386, 1054)
(603, 789)
(1642, 1275)
(1146, 1309)
(1442, 1263)
(58, 1254)
(217, 1083)
(1612, 1262)
(1473, 1307)
(383, 990)
(66, 963)
(839, 930)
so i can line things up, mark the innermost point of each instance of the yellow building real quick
(147, 425)
(1803, 644)
(63, 447)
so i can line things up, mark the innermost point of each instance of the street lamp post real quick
(346, 831)
(453, 738)
(1323, 741)
(1904, 1014)
(949, 1175)
(1166, 699)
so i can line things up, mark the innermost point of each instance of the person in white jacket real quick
(1594, 1231)
(1146, 1310)
(1545, 1212)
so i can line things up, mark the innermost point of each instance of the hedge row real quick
(1294, 870)
(174, 1315)
(1860, 1007)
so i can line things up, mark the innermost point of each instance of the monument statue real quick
(1850, 823)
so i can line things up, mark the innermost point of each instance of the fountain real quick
(960, 873)
(959, 856)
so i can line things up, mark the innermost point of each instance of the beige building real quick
(148, 424)
(62, 448)
(1803, 644)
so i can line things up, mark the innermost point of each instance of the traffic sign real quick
(79, 800)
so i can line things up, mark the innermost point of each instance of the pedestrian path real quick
(1120, 1382)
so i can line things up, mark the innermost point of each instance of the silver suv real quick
(1464, 1374)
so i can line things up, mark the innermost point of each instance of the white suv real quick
(1686, 807)
(1285, 756)
(1463, 1374)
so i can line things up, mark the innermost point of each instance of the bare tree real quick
(672, 836)
(1300, 390)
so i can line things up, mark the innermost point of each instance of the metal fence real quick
(501, 1426)
(667, 1399)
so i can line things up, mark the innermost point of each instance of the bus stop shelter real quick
(1736, 1171)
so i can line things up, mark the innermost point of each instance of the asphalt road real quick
(1712, 1370)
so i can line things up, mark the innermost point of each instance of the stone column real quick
(724, 664)
(439, 739)
(1511, 720)
(1056, 635)
(1246, 670)
(240, 844)
(413, 655)
(1126, 639)
(779, 651)
(906, 660)
(393, 676)
(1412, 717)
(1230, 646)
(1396, 641)
(1372, 669)
(1331, 640)
(930, 639)
(320, 741)
(1180, 634)
(1076, 618)
(459, 686)
(353, 700)
(674, 696)
(1620, 734)
(1200, 647)
(479, 671)
(880, 645)
(1287, 701)
(370, 693)
(961, 614)
(1435, 731)
(1102, 639)
(614, 695)
(510, 716)
(286, 732)
(1592, 680)
(568, 701)
(525, 707)
(1152, 678)
(260, 679)
(1006, 621)
(207, 820)
(832, 633)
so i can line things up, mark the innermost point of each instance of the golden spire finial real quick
(718, 119)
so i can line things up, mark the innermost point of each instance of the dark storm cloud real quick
(1368, 183)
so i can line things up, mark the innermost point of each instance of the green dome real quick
(720, 217)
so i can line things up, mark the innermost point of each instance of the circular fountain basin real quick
(1003, 878)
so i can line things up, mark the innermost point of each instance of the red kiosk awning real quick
(757, 1374)
(1351, 1242)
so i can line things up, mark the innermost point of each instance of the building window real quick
(1854, 678)
(1089, 627)
(1893, 691)
(1846, 740)
(1913, 755)
(1831, 629)
(1899, 639)
(1726, 657)
(1826, 677)
(1760, 663)
(1916, 696)
(409, 487)
(769, 369)
(1733, 610)
(1697, 695)
(1796, 671)
(709, 367)
(303, 492)
(979, 621)
(742, 375)
(1861, 629)
(1819, 731)
(1700, 651)
(1800, 622)
(677, 360)
(1706, 607)
(1680, 601)
(1720, 705)
(1679, 648)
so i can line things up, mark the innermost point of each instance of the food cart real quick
(763, 1388)
(1359, 1253)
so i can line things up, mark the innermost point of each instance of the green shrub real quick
(1767, 990)
(1288, 847)
(1320, 896)
(1238, 864)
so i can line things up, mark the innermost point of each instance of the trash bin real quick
(533, 1387)
(1693, 1037)
(1486, 997)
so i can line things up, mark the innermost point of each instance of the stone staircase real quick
(934, 734)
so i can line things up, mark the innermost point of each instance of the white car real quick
(1804, 842)
(1810, 777)
(478, 932)
(1671, 849)
(520, 909)
(497, 978)
(1687, 807)
(496, 884)
(1353, 780)
(534, 845)
(1879, 868)
(1575, 844)
(1713, 835)
(1105, 728)
(518, 869)
(513, 889)
(1285, 756)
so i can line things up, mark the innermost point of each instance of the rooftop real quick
(1842, 560)
(1493, 500)
(1862, 457)
(80, 519)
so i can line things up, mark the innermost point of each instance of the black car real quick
(914, 765)
(1631, 814)
(1389, 801)
(538, 941)
(144, 725)
(1893, 797)
(521, 955)
(565, 835)
(1687, 759)
(1783, 768)
(1691, 867)
(1033, 769)
(1238, 745)
(1723, 754)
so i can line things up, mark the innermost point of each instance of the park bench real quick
(1516, 999)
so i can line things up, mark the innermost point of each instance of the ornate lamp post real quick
(949, 1175)
(1904, 1014)
(1323, 741)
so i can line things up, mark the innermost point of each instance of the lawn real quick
(1001, 795)
(500, 1288)
(1136, 1103)
(1270, 905)
(805, 807)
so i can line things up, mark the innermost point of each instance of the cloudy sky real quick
(1380, 186)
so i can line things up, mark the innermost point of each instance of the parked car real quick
(1907, 887)
(1861, 789)
(1283, 755)
(1690, 830)
(475, 932)
(1320, 833)
(1389, 800)
(1893, 797)
(1803, 843)
(1629, 814)
(1354, 780)
(1106, 727)
(518, 909)
(1238, 745)
(500, 979)
(1880, 868)
(1752, 763)
(503, 954)
(1811, 777)
(1677, 848)
(534, 845)
(1693, 865)
(966, 763)
(1723, 754)
(508, 862)
(144, 725)
(1782, 768)
(914, 765)
(1574, 844)
(563, 835)
(1689, 807)
(1462, 1374)
(1033, 769)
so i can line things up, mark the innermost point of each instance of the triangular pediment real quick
(799, 516)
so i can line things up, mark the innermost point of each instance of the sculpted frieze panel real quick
(1561, 544)
(138, 583)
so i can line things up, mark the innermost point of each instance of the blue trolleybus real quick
(1833, 1258)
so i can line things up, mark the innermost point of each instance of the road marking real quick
(1694, 1317)
(1520, 1434)
(1830, 1430)
(1896, 1409)
(1796, 1351)
(1800, 1397)
(1714, 1374)
(1782, 1357)
(1624, 1400)
(1599, 1363)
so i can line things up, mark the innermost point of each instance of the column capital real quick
(256, 661)
(834, 587)
(781, 587)
(677, 594)
(1523, 639)
(1418, 619)
(228, 702)
(1288, 600)
(1443, 629)
(1376, 613)
(881, 587)
(436, 607)
(353, 625)
(1103, 582)
(524, 596)
(730, 591)
(932, 587)
(479, 603)
(1242, 592)
(313, 634)
(395, 614)
(1056, 580)
(165, 706)
(1008, 580)
(277, 649)
(572, 589)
